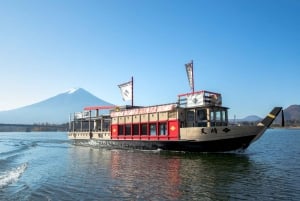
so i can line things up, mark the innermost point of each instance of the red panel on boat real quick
(174, 129)
(114, 131)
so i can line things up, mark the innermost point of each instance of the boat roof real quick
(144, 110)
(198, 99)
(102, 107)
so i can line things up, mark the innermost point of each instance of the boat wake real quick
(12, 175)
(17, 149)
(91, 143)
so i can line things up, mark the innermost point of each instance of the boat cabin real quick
(202, 109)
(160, 122)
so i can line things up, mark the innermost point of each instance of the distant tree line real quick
(40, 127)
(287, 123)
(292, 123)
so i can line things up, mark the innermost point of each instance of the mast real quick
(132, 91)
(193, 75)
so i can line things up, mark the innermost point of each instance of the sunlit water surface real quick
(46, 166)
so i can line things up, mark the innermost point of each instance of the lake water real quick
(46, 166)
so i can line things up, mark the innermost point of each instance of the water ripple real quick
(268, 170)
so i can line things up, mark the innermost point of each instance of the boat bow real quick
(267, 121)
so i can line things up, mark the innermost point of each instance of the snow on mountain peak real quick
(72, 90)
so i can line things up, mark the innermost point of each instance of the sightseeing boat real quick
(196, 122)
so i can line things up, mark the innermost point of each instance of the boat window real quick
(144, 129)
(152, 129)
(190, 116)
(127, 129)
(106, 124)
(225, 118)
(201, 114)
(218, 116)
(212, 118)
(201, 117)
(163, 128)
(120, 129)
(135, 128)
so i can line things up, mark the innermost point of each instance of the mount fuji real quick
(54, 110)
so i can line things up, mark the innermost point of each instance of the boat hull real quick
(195, 139)
(223, 145)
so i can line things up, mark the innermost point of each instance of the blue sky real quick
(247, 50)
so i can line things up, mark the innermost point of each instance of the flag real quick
(189, 72)
(126, 90)
(194, 100)
(81, 115)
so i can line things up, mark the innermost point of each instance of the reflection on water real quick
(140, 175)
(57, 170)
(146, 176)
(166, 176)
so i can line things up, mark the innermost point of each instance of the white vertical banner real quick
(189, 72)
(126, 90)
